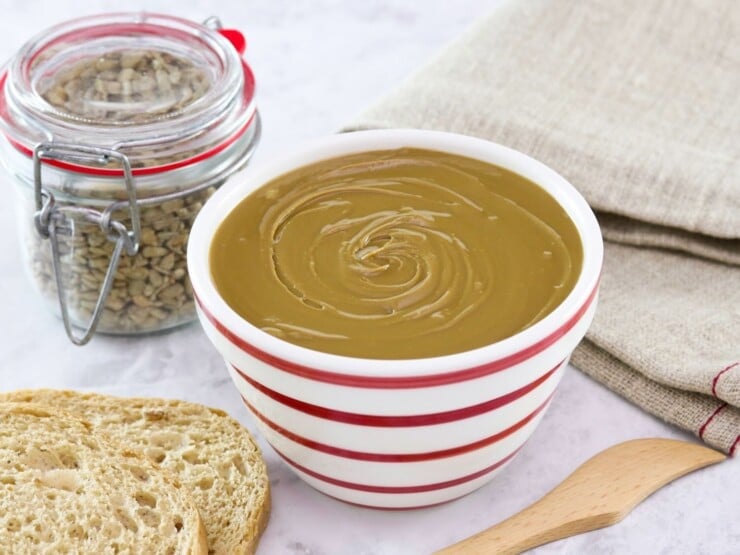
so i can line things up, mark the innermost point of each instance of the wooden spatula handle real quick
(599, 493)
(540, 523)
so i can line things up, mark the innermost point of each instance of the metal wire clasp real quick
(213, 22)
(51, 217)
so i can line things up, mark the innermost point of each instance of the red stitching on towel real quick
(732, 449)
(711, 417)
(716, 378)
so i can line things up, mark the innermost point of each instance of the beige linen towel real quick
(637, 103)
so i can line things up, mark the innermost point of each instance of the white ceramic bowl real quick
(397, 433)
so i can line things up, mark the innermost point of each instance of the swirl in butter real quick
(396, 254)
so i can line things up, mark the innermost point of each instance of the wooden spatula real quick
(601, 492)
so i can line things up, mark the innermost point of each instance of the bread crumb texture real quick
(214, 458)
(64, 489)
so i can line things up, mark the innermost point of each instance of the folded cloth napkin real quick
(637, 103)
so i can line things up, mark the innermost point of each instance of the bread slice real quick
(64, 489)
(211, 454)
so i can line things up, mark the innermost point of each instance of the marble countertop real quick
(317, 64)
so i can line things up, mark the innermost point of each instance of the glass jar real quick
(116, 129)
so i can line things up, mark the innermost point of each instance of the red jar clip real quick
(236, 38)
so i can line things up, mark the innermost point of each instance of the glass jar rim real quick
(195, 132)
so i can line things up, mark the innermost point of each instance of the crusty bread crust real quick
(213, 456)
(65, 489)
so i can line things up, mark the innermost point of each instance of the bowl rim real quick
(213, 307)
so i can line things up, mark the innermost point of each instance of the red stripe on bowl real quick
(398, 382)
(396, 457)
(383, 421)
(400, 489)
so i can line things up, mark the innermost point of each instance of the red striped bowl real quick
(397, 433)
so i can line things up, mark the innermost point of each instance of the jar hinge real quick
(50, 218)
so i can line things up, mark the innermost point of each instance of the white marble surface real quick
(317, 64)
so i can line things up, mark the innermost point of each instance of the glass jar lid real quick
(163, 91)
